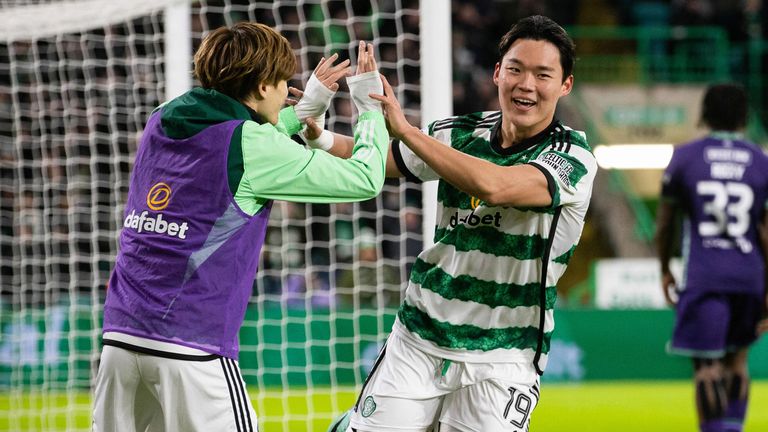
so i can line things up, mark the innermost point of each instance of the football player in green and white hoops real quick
(473, 333)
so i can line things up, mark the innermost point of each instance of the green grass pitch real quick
(633, 406)
(595, 406)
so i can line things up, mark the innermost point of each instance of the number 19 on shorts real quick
(518, 409)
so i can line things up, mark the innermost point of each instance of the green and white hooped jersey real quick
(485, 292)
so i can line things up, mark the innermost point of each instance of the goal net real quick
(78, 79)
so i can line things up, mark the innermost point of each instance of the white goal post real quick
(78, 79)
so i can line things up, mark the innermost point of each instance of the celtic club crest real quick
(369, 406)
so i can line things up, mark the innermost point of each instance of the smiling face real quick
(530, 82)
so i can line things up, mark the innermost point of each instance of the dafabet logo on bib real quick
(158, 198)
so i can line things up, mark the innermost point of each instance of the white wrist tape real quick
(360, 86)
(323, 142)
(315, 101)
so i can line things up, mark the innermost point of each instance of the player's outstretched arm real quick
(281, 170)
(521, 185)
(343, 144)
(337, 144)
(276, 168)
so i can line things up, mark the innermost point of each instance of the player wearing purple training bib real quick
(208, 167)
(719, 184)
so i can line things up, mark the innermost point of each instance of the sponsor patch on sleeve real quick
(562, 167)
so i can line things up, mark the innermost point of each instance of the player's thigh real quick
(117, 383)
(148, 413)
(403, 391)
(492, 405)
(200, 395)
(746, 312)
(701, 325)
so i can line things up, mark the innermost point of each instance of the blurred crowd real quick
(72, 109)
(478, 25)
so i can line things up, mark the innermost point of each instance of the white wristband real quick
(323, 142)
(360, 86)
(316, 100)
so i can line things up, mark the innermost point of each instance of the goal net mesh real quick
(78, 79)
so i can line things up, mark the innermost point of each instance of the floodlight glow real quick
(633, 156)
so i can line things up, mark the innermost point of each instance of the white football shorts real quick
(142, 392)
(411, 391)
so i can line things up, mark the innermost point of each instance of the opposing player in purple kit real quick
(209, 165)
(719, 184)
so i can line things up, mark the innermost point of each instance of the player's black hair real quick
(724, 107)
(538, 27)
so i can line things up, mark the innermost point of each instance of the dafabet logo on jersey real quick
(474, 220)
(158, 198)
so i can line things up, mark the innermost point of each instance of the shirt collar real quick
(522, 145)
(258, 118)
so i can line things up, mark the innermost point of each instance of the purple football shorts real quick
(710, 324)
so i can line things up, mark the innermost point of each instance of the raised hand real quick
(397, 124)
(329, 74)
(311, 104)
(326, 73)
(366, 80)
(366, 60)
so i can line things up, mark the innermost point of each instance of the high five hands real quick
(366, 62)
(397, 124)
(312, 104)
(327, 73)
